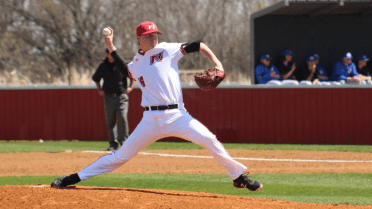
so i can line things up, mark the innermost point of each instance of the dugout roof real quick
(327, 27)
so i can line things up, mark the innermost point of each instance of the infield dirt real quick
(62, 163)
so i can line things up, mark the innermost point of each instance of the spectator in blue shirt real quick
(345, 70)
(265, 71)
(322, 74)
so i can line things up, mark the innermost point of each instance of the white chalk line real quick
(37, 185)
(246, 158)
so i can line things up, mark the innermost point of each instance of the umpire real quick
(115, 94)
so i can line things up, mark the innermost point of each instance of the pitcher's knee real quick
(208, 141)
(124, 155)
(118, 159)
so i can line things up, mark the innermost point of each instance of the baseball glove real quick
(209, 79)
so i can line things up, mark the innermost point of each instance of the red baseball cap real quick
(146, 28)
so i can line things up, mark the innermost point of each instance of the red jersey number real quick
(142, 81)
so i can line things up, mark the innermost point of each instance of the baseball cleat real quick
(64, 181)
(58, 182)
(112, 149)
(243, 181)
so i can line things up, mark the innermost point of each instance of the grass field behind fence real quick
(335, 188)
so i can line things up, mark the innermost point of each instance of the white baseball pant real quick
(159, 124)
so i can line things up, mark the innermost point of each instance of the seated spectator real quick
(308, 74)
(266, 72)
(286, 67)
(361, 67)
(322, 74)
(345, 70)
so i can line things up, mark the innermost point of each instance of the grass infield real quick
(61, 146)
(335, 188)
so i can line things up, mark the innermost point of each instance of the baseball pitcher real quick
(155, 67)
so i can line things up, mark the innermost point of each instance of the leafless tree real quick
(59, 35)
(65, 33)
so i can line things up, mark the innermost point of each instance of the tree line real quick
(54, 37)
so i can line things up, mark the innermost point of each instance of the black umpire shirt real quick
(113, 80)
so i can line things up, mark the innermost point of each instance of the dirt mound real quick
(43, 196)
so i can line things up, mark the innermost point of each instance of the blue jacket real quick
(321, 72)
(342, 72)
(263, 74)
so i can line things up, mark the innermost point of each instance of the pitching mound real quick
(43, 196)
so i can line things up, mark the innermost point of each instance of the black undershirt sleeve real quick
(120, 63)
(192, 46)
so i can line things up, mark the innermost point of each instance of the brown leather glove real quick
(209, 79)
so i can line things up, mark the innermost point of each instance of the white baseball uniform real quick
(158, 76)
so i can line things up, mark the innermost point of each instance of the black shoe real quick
(243, 181)
(64, 181)
(58, 182)
(122, 142)
(112, 149)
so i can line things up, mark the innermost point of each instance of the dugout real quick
(329, 28)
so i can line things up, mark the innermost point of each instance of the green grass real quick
(61, 146)
(347, 188)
